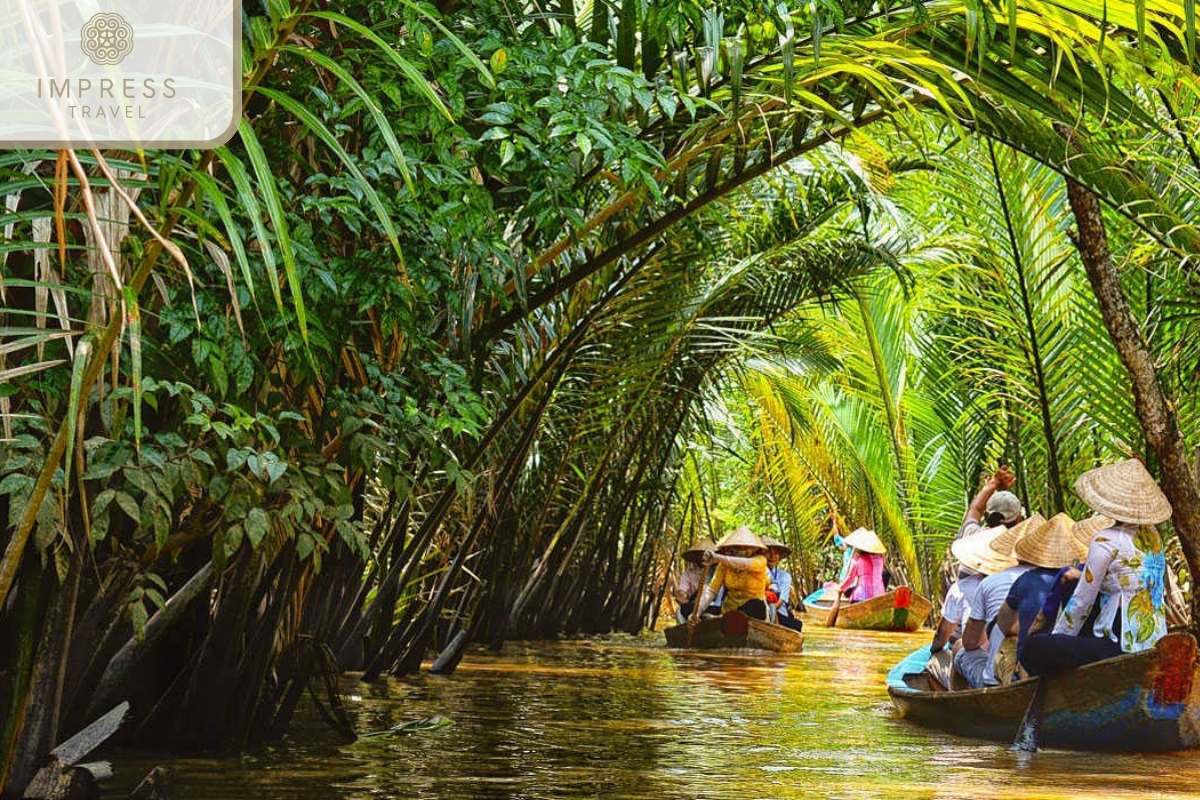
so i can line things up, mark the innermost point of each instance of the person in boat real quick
(1124, 575)
(692, 580)
(1050, 549)
(741, 559)
(865, 578)
(993, 505)
(828, 590)
(839, 541)
(976, 657)
(1082, 532)
(976, 560)
(779, 590)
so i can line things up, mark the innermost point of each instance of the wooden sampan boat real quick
(735, 629)
(1140, 702)
(901, 609)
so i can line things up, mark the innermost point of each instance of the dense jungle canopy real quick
(490, 308)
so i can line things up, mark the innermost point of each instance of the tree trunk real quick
(1154, 410)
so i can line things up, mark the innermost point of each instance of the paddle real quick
(1027, 736)
(833, 612)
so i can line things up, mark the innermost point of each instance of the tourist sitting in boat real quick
(779, 590)
(1050, 549)
(976, 560)
(1124, 571)
(692, 580)
(1082, 532)
(977, 655)
(741, 559)
(865, 578)
(993, 505)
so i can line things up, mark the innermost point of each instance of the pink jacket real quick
(866, 576)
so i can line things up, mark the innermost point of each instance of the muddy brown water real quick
(625, 717)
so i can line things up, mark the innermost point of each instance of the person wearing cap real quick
(779, 590)
(979, 645)
(993, 505)
(741, 559)
(865, 578)
(1124, 574)
(692, 579)
(1051, 549)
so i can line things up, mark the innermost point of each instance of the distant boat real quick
(1139, 702)
(901, 609)
(733, 630)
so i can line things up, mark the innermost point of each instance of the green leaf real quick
(257, 524)
(304, 546)
(74, 404)
(129, 506)
(367, 187)
(381, 120)
(279, 220)
(499, 61)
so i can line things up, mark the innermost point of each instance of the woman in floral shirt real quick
(1124, 574)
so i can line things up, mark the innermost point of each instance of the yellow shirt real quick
(741, 586)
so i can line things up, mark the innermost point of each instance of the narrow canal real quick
(628, 718)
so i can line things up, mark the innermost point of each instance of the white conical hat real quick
(1086, 529)
(1049, 545)
(866, 540)
(741, 537)
(697, 550)
(975, 551)
(774, 544)
(1124, 491)
(1003, 544)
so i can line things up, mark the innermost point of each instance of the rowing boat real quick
(735, 629)
(901, 609)
(1142, 702)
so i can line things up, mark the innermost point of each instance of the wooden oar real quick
(696, 598)
(833, 612)
(1027, 735)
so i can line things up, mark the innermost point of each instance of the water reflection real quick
(628, 718)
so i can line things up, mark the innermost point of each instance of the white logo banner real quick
(119, 73)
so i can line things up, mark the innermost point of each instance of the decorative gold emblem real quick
(107, 38)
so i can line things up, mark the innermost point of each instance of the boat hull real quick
(1140, 702)
(735, 630)
(898, 610)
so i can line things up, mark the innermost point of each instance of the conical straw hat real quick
(866, 540)
(1086, 529)
(696, 551)
(975, 551)
(1124, 491)
(774, 544)
(741, 537)
(1049, 545)
(1003, 544)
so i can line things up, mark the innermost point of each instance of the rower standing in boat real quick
(865, 579)
(693, 578)
(741, 559)
(779, 590)
(1125, 571)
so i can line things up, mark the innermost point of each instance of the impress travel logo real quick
(107, 39)
(119, 73)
